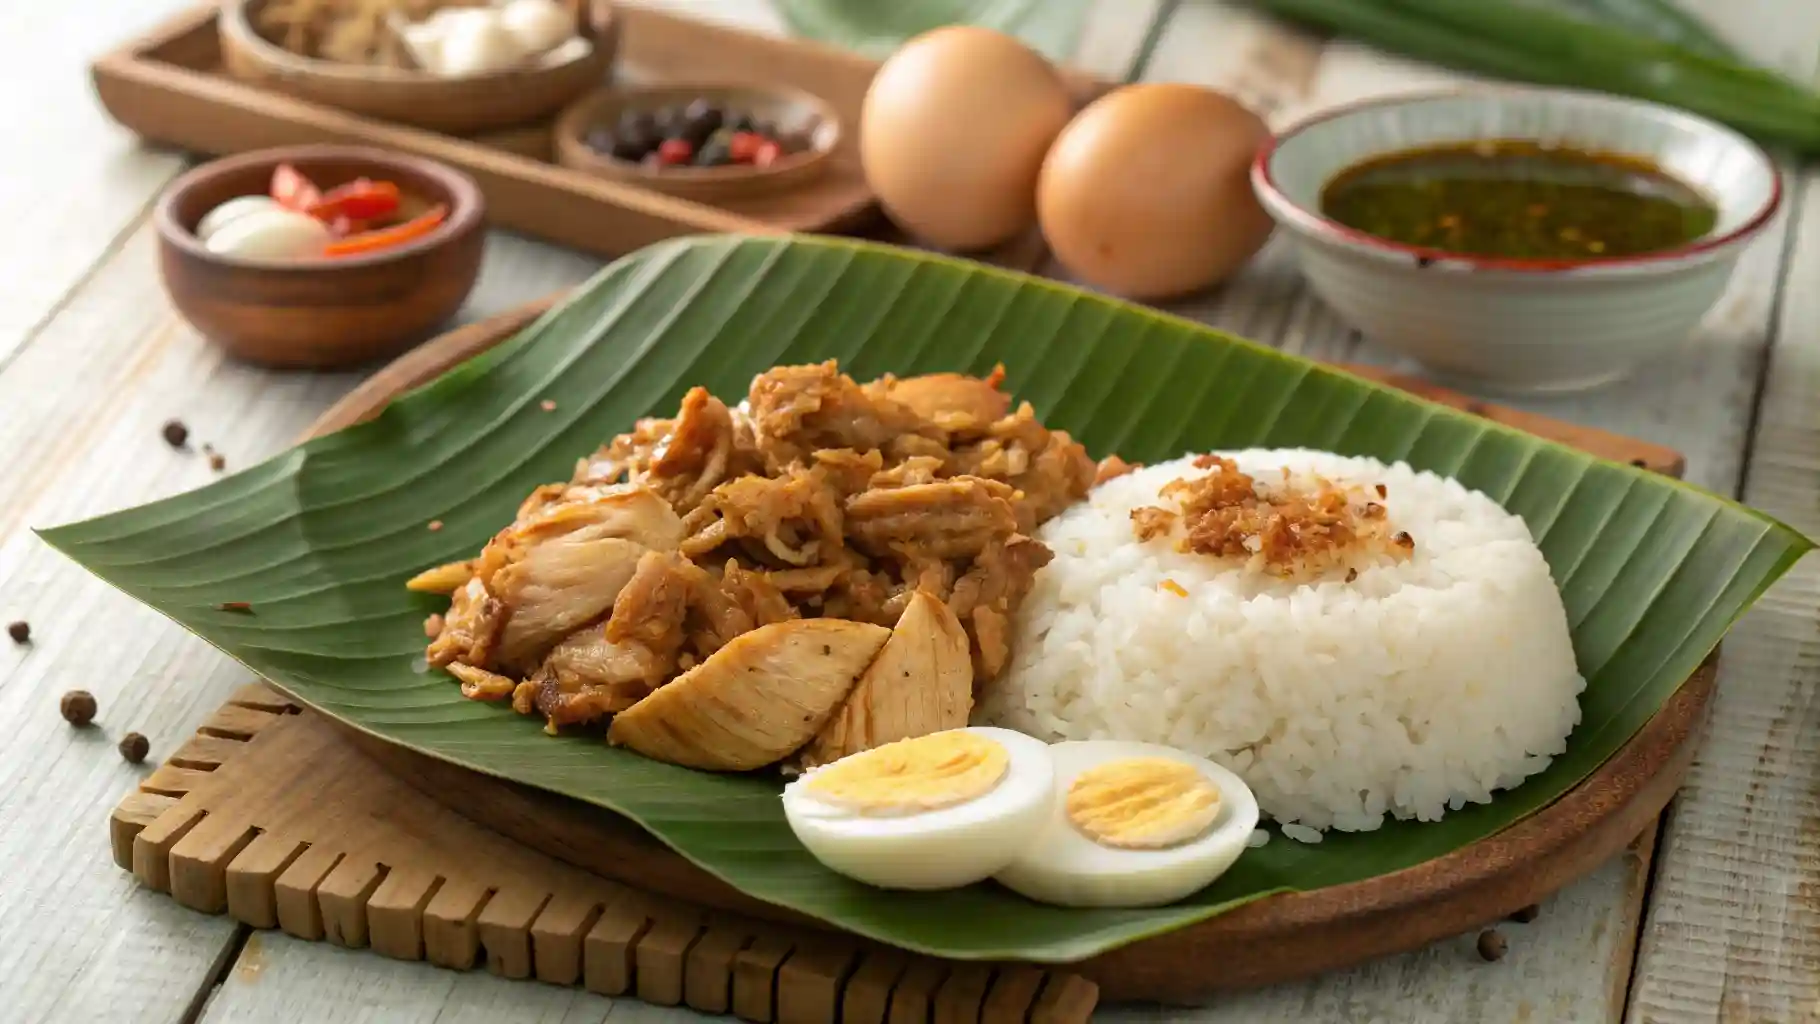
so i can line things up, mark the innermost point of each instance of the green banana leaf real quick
(321, 539)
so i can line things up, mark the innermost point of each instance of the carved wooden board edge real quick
(268, 815)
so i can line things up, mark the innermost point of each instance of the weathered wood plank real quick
(1552, 972)
(81, 435)
(76, 181)
(279, 979)
(1733, 929)
(1733, 932)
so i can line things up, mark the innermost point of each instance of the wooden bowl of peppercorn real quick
(707, 143)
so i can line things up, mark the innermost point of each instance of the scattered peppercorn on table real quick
(107, 400)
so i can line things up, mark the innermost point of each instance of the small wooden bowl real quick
(467, 105)
(778, 104)
(320, 313)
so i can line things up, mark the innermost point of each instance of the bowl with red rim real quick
(1505, 325)
(375, 288)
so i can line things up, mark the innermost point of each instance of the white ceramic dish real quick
(1518, 325)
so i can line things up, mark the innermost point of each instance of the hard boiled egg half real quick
(1133, 825)
(934, 812)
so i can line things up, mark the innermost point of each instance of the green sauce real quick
(1519, 200)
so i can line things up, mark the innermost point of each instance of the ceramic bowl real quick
(1518, 326)
(789, 109)
(320, 313)
(467, 105)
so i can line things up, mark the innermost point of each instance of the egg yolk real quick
(1142, 803)
(925, 773)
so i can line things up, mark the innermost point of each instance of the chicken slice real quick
(756, 700)
(650, 608)
(587, 677)
(946, 519)
(964, 406)
(921, 682)
(606, 669)
(563, 567)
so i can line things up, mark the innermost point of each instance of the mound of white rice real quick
(1421, 685)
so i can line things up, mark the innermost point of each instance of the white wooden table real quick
(92, 362)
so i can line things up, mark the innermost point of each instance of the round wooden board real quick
(1275, 939)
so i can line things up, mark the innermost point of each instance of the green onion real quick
(1518, 41)
(1660, 20)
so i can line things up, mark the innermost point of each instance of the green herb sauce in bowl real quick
(1520, 200)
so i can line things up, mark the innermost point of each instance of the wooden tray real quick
(170, 87)
(1272, 940)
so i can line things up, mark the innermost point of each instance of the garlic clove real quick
(539, 24)
(477, 46)
(230, 211)
(422, 40)
(277, 234)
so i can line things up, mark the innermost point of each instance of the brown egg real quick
(1147, 192)
(953, 132)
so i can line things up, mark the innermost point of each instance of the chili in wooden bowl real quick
(370, 292)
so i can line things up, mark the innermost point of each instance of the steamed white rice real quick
(1422, 685)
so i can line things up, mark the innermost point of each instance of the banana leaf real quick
(320, 540)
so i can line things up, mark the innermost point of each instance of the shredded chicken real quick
(551, 572)
(814, 499)
(1046, 466)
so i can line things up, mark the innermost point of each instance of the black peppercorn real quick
(635, 134)
(701, 119)
(176, 434)
(20, 631)
(667, 123)
(134, 747)
(78, 707)
(1527, 914)
(636, 123)
(1492, 945)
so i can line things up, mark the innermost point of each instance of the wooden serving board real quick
(270, 815)
(170, 86)
(354, 836)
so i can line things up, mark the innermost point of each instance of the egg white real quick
(1065, 868)
(945, 848)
